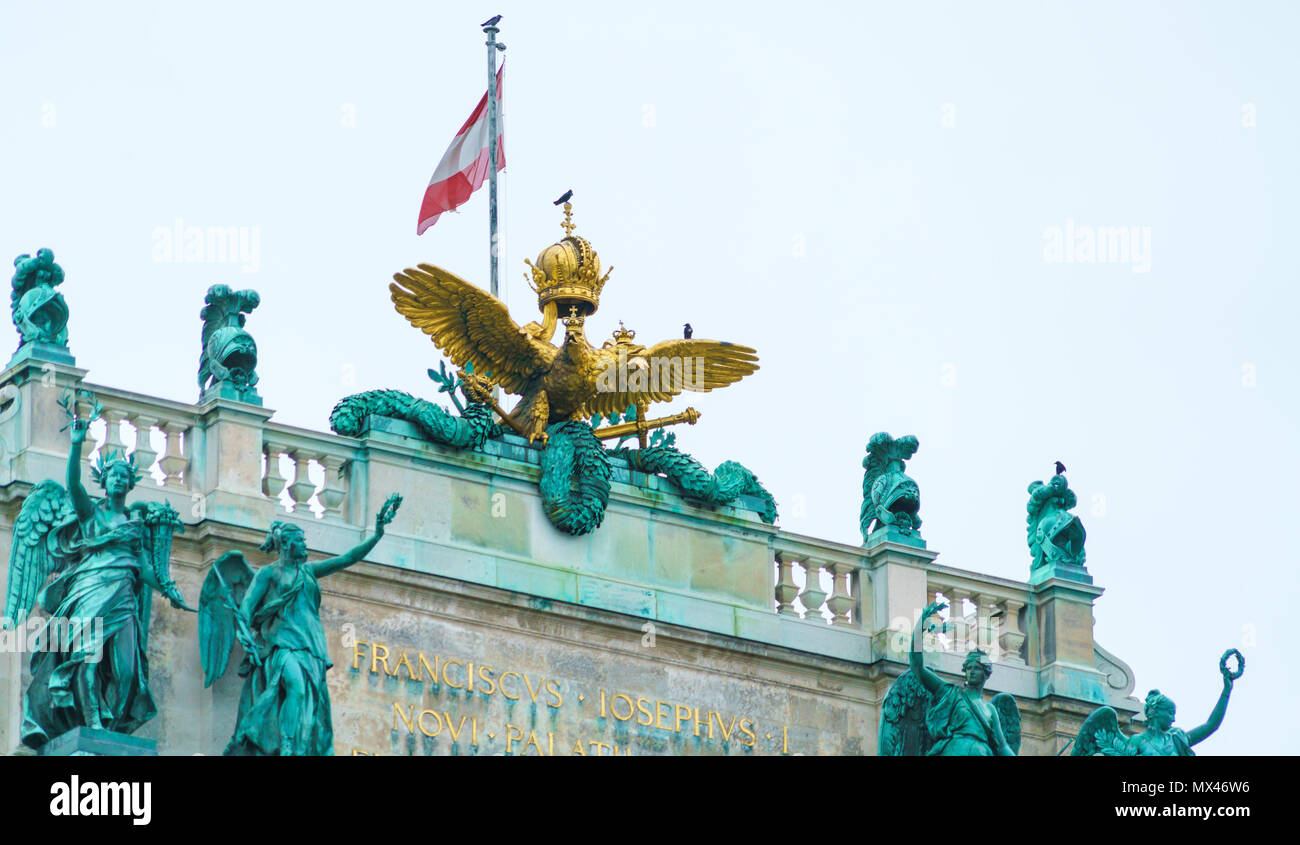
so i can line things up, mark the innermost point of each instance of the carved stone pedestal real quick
(97, 742)
(228, 390)
(1068, 572)
(890, 534)
(39, 351)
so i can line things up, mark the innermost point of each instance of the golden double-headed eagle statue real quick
(572, 381)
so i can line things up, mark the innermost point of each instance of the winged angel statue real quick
(923, 715)
(106, 558)
(274, 614)
(1100, 733)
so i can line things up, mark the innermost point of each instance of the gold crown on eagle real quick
(568, 272)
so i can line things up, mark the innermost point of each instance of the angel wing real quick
(1009, 717)
(220, 623)
(36, 553)
(469, 324)
(1100, 734)
(673, 366)
(902, 719)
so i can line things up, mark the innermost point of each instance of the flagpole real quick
(490, 27)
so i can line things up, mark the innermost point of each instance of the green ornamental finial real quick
(1055, 535)
(889, 497)
(39, 311)
(229, 357)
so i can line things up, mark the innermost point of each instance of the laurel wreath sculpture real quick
(576, 468)
(1241, 664)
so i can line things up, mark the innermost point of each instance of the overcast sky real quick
(891, 202)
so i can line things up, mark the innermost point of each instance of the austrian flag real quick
(464, 166)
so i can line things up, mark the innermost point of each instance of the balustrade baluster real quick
(302, 488)
(841, 600)
(813, 595)
(273, 482)
(1011, 638)
(174, 461)
(961, 632)
(985, 606)
(334, 490)
(786, 588)
(145, 455)
(113, 432)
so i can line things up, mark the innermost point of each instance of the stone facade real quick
(475, 627)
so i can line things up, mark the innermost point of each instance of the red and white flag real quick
(464, 166)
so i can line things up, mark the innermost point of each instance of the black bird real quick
(491, 22)
(687, 331)
(568, 195)
(1060, 468)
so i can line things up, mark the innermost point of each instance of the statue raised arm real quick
(924, 715)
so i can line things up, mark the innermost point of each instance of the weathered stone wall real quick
(559, 678)
(657, 633)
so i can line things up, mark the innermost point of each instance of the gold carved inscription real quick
(473, 731)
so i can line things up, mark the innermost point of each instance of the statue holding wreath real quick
(1100, 733)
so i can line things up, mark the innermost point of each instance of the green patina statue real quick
(923, 715)
(39, 311)
(1055, 535)
(1100, 733)
(889, 497)
(228, 362)
(284, 708)
(107, 558)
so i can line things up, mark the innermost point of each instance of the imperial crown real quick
(568, 273)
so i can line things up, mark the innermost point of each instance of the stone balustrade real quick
(477, 517)
(138, 425)
(306, 454)
(983, 613)
(826, 589)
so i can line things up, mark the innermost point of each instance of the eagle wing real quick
(673, 366)
(469, 324)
